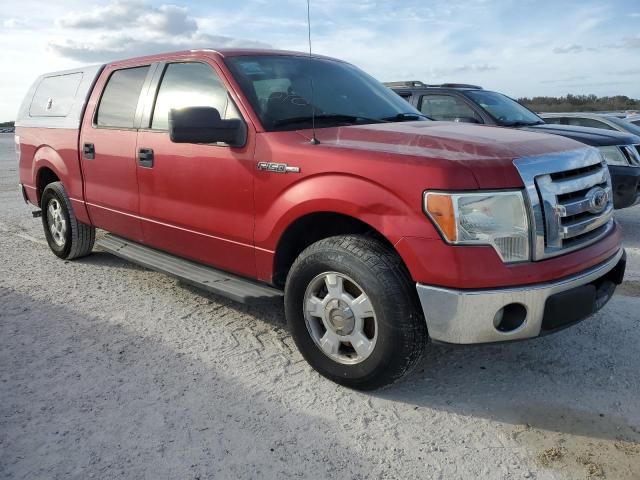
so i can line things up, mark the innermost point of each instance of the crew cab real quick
(259, 174)
(461, 102)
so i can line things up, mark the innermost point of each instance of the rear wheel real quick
(353, 313)
(66, 237)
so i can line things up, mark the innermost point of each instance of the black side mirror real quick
(466, 120)
(204, 125)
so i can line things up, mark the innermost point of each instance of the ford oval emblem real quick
(597, 199)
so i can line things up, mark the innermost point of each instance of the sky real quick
(518, 47)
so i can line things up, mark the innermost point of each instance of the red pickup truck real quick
(256, 174)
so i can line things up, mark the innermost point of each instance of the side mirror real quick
(466, 120)
(204, 125)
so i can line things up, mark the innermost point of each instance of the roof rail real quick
(457, 85)
(406, 83)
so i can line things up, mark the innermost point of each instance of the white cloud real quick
(13, 23)
(121, 45)
(569, 49)
(128, 29)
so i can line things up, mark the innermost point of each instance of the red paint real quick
(211, 204)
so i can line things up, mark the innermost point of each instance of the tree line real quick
(580, 103)
(6, 124)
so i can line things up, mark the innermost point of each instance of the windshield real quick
(504, 110)
(281, 92)
(625, 125)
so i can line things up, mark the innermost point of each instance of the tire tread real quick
(83, 236)
(388, 267)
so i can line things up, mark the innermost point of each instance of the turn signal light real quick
(440, 209)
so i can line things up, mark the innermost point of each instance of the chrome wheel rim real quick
(57, 223)
(340, 318)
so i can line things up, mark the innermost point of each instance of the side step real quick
(222, 283)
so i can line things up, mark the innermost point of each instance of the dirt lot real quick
(108, 370)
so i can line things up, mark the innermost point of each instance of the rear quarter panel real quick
(56, 149)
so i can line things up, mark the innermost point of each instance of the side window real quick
(446, 108)
(190, 85)
(588, 122)
(120, 98)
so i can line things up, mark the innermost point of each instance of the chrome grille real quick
(570, 199)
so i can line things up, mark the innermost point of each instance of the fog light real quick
(510, 317)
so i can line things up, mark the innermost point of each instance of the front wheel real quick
(66, 237)
(352, 310)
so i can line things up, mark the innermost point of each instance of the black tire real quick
(78, 238)
(401, 328)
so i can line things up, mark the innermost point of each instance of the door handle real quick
(89, 151)
(145, 157)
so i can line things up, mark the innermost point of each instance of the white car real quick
(607, 121)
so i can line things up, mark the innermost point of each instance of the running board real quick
(221, 283)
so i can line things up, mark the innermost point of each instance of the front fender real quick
(372, 203)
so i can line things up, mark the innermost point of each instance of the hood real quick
(488, 152)
(596, 137)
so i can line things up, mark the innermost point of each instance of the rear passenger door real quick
(196, 200)
(108, 150)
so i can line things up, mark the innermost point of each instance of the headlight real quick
(498, 219)
(613, 156)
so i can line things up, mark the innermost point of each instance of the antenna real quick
(314, 139)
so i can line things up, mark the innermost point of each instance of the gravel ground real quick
(109, 370)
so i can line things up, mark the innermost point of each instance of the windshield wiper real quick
(338, 117)
(406, 117)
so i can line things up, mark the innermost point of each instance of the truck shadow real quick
(570, 382)
(91, 396)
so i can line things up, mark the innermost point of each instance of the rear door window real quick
(55, 95)
(190, 85)
(120, 98)
(446, 108)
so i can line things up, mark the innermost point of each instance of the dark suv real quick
(457, 102)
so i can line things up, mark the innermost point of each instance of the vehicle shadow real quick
(86, 396)
(570, 382)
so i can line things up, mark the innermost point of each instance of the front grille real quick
(570, 198)
(632, 153)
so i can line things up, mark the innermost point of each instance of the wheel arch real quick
(313, 227)
(44, 176)
(48, 167)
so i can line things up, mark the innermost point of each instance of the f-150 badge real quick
(277, 167)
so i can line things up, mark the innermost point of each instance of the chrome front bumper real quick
(469, 316)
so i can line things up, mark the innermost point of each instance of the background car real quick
(606, 121)
(459, 102)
